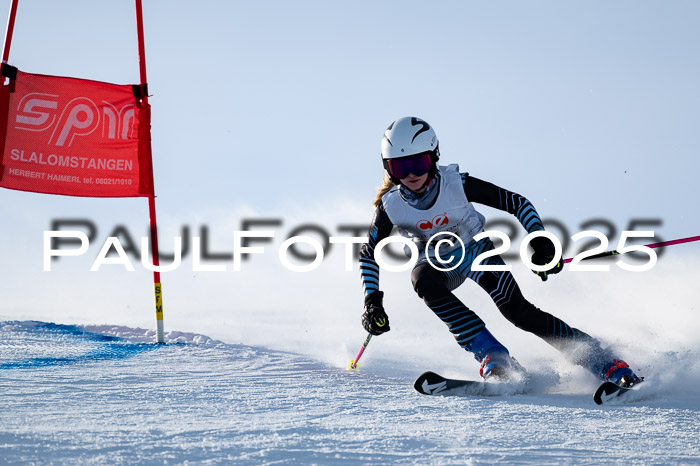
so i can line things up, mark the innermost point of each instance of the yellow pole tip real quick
(352, 366)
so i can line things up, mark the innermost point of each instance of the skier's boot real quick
(619, 372)
(503, 367)
(494, 358)
(603, 363)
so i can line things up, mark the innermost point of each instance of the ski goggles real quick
(418, 164)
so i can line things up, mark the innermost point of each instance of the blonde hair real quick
(387, 184)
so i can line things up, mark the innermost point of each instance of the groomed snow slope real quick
(104, 395)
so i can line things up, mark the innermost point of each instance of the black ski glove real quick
(375, 320)
(544, 253)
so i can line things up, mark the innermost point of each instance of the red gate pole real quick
(157, 288)
(9, 31)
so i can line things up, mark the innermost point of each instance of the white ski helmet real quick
(406, 137)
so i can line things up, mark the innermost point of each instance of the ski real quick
(608, 391)
(430, 383)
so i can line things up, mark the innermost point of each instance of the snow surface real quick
(106, 395)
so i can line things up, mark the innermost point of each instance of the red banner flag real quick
(74, 137)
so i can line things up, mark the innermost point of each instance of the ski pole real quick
(662, 244)
(352, 365)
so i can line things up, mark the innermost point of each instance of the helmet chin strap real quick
(427, 182)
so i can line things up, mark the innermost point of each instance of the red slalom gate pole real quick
(662, 244)
(9, 31)
(157, 287)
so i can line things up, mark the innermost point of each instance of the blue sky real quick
(586, 108)
(276, 109)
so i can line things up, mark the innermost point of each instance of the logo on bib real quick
(424, 225)
(440, 220)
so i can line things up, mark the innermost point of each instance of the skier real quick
(422, 199)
